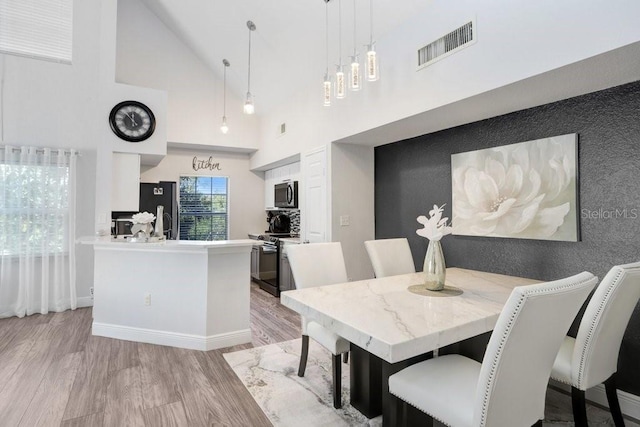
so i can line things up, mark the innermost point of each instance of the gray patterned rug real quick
(270, 375)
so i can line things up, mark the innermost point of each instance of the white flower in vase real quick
(434, 228)
(143, 218)
(142, 223)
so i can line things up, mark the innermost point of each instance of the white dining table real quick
(390, 327)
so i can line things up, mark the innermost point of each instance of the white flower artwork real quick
(526, 190)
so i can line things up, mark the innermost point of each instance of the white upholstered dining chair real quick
(508, 388)
(390, 257)
(591, 358)
(319, 264)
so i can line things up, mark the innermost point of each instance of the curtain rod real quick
(41, 150)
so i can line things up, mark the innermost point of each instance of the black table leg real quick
(366, 382)
(370, 383)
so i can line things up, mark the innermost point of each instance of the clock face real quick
(132, 121)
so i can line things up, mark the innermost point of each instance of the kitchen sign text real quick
(205, 164)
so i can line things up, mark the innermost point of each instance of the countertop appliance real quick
(286, 195)
(161, 193)
(121, 224)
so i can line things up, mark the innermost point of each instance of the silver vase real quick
(434, 267)
(159, 228)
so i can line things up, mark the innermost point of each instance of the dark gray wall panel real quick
(412, 175)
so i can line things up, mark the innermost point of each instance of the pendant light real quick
(373, 72)
(355, 80)
(341, 82)
(248, 104)
(326, 85)
(224, 128)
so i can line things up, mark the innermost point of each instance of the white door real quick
(315, 190)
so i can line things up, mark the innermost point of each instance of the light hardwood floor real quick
(54, 372)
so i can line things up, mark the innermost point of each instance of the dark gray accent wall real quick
(413, 175)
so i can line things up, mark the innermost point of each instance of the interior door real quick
(315, 195)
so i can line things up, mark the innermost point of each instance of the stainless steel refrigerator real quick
(162, 193)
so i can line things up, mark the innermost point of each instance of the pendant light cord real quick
(340, 34)
(249, 73)
(371, 22)
(326, 31)
(354, 28)
(224, 92)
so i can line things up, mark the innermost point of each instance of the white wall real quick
(246, 188)
(150, 55)
(352, 195)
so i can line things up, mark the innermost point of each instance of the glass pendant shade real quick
(224, 128)
(355, 79)
(341, 84)
(373, 71)
(248, 104)
(326, 91)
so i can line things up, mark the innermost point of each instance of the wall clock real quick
(132, 121)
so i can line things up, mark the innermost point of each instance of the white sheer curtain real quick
(37, 230)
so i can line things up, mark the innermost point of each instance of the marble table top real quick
(384, 318)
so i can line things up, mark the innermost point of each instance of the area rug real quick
(270, 375)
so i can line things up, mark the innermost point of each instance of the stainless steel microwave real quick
(286, 195)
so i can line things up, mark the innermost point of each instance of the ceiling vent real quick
(447, 44)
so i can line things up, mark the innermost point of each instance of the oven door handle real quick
(268, 249)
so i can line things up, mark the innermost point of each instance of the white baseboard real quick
(629, 403)
(84, 302)
(172, 339)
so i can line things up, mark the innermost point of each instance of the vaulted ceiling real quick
(288, 55)
(288, 51)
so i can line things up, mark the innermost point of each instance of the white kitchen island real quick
(190, 294)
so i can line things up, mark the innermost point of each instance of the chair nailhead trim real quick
(503, 338)
(592, 326)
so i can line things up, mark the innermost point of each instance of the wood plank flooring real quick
(53, 372)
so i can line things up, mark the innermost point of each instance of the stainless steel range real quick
(265, 263)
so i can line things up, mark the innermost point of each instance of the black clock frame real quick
(119, 133)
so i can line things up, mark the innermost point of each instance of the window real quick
(204, 205)
(37, 28)
(34, 207)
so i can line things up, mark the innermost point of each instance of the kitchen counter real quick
(189, 294)
(166, 245)
(296, 240)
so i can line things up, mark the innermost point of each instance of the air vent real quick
(447, 44)
(282, 129)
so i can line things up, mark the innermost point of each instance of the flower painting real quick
(526, 190)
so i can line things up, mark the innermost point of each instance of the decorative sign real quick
(526, 190)
(205, 164)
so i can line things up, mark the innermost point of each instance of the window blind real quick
(40, 29)
(204, 208)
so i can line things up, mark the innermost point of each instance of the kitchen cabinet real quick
(255, 262)
(125, 182)
(286, 280)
